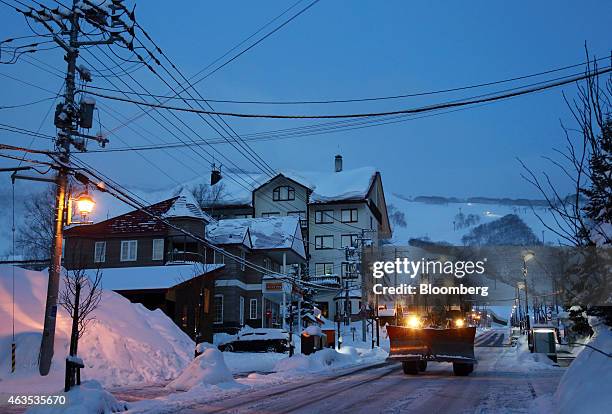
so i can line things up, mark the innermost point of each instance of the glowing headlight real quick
(413, 321)
(459, 323)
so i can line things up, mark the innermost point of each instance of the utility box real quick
(312, 340)
(544, 340)
(86, 112)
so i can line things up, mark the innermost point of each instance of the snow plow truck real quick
(421, 339)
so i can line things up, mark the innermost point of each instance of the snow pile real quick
(207, 369)
(125, 344)
(90, 397)
(312, 330)
(585, 386)
(322, 360)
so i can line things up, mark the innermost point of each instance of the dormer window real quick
(283, 193)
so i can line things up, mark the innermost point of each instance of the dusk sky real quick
(344, 50)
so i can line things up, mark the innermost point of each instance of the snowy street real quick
(498, 384)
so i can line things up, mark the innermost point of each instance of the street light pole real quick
(63, 145)
(68, 121)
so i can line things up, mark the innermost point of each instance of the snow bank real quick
(90, 397)
(319, 361)
(126, 344)
(585, 386)
(207, 369)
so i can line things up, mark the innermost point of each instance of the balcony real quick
(184, 257)
(332, 281)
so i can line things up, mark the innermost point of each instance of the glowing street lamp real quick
(85, 204)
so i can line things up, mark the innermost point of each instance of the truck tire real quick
(422, 365)
(410, 367)
(461, 369)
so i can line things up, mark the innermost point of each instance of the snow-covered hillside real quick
(126, 344)
(435, 221)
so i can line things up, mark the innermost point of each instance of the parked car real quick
(257, 340)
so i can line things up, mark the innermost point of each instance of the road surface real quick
(497, 385)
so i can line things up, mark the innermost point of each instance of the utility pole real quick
(68, 119)
(62, 143)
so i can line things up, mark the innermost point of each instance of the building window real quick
(158, 249)
(283, 193)
(267, 263)
(349, 215)
(300, 214)
(253, 309)
(349, 270)
(271, 214)
(324, 242)
(324, 269)
(129, 250)
(348, 240)
(100, 252)
(218, 258)
(218, 307)
(242, 259)
(241, 310)
(324, 216)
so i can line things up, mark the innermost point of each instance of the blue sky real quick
(353, 49)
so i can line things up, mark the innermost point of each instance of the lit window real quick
(128, 250)
(100, 252)
(158, 249)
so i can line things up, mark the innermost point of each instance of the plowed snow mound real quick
(126, 344)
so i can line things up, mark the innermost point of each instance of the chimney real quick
(338, 163)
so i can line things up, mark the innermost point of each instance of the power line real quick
(370, 114)
(242, 42)
(370, 99)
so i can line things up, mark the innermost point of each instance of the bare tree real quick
(208, 196)
(80, 296)
(34, 235)
(591, 110)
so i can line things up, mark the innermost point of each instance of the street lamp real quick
(84, 205)
(527, 256)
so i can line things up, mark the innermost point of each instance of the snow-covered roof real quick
(335, 186)
(150, 277)
(229, 232)
(265, 232)
(185, 205)
(141, 221)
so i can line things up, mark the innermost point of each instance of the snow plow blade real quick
(444, 345)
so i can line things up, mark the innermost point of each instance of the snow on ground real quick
(90, 397)
(126, 344)
(208, 368)
(585, 386)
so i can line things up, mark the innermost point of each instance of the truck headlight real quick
(413, 321)
(459, 323)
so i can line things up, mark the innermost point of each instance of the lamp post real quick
(527, 256)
